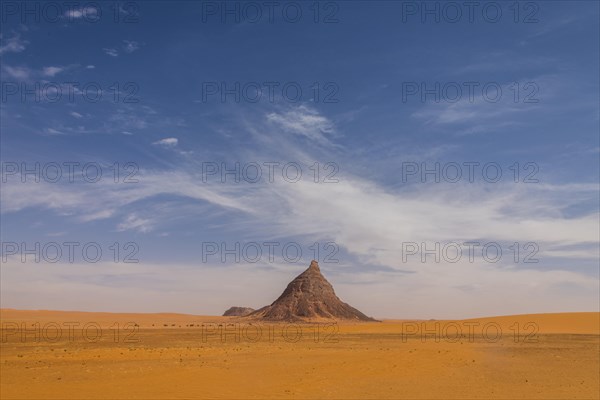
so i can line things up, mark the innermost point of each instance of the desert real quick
(307, 343)
(188, 356)
(320, 199)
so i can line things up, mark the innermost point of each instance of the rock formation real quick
(309, 296)
(238, 311)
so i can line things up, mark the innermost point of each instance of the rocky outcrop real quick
(238, 312)
(309, 296)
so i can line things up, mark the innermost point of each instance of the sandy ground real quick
(75, 355)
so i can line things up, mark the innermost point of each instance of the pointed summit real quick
(309, 296)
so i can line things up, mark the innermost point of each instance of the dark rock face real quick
(309, 296)
(238, 312)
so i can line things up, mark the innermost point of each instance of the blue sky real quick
(369, 63)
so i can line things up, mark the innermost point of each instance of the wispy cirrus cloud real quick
(71, 199)
(369, 222)
(128, 46)
(18, 73)
(489, 106)
(167, 142)
(111, 51)
(304, 121)
(355, 204)
(52, 131)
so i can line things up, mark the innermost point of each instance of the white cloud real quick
(359, 215)
(129, 46)
(13, 45)
(167, 142)
(24, 73)
(52, 131)
(19, 73)
(90, 67)
(52, 71)
(103, 199)
(372, 222)
(135, 223)
(78, 13)
(304, 121)
(75, 114)
(111, 52)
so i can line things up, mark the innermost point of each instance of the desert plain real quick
(73, 355)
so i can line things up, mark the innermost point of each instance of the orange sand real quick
(539, 356)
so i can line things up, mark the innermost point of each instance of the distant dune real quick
(104, 318)
(574, 322)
